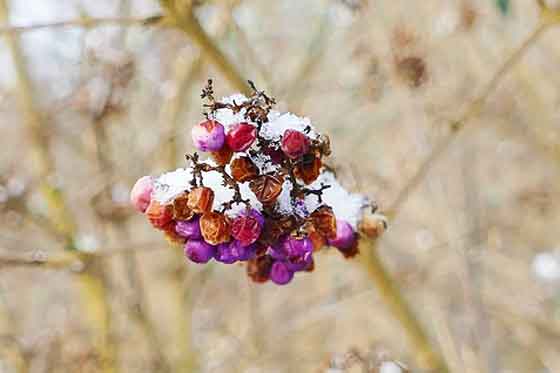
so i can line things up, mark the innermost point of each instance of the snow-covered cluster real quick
(262, 196)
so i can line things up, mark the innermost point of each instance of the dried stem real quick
(389, 292)
(473, 110)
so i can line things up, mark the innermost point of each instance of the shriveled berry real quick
(208, 136)
(189, 229)
(267, 188)
(240, 136)
(141, 193)
(243, 169)
(309, 168)
(215, 228)
(159, 215)
(316, 238)
(171, 234)
(345, 235)
(276, 155)
(199, 251)
(222, 156)
(200, 200)
(324, 221)
(247, 227)
(280, 274)
(258, 269)
(181, 210)
(294, 144)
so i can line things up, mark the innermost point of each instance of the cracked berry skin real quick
(280, 273)
(189, 229)
(208, 136)
(247, 227)
(141, 193)
(294, 144)
(159, 215)
(199, 251)
(241, 136)
(345, 235)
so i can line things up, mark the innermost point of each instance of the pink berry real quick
(208, 136)
(141, 193)
(241, 136)
(294, 144)
(247, 227)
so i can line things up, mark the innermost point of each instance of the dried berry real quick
(241, 136)
(345, 235)
(276, 155)
(324, 221)
(215, 228)
(280, 273)
(267, 188)
(208, 136)
(141, 193)
(309, 169)
(316, 238)
(199, 251)
(181, 210)
(247, 227)
(189, 229)
(171, 235)
(294, 144)
(200, 200)
(258, 269)
(158, 214)
(222, 156)
(243, 169)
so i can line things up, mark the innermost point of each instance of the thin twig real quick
(458, 125)
(427, 355)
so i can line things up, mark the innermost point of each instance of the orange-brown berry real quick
(200, 200)
(267, 188)
(324, 221)
(309, 168)
(215, 228)
(181, 210)
(222, 156)
(243, 169)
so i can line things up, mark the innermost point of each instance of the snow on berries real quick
(260, 196)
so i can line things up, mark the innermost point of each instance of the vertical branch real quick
(91, 288)
(389, 292)
(185, 20)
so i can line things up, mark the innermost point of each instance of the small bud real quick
(247, 227)
(324, 221)
(141, 193)
(267, 188)
(280, 274)
(241, 136)
(258, 269)
(294, 144)
(158, 214)
(200, 200)
(345, 235)
(208, 136)
(199, 251)
(309, 169)
(181, 210)
(243, 169)
(189, 229)
(222, 156)
(215, 228)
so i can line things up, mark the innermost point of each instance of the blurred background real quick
(94, 94)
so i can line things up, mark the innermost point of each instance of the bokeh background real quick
(88, 107)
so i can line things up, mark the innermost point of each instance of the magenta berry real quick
(225, 253)
(141, 193)
(199, 251)
(345, 235)
(280, 274)
(294, 144)
(208, 136)
(189, 229)
(241, 136)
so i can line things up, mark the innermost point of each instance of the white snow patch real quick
(546, 266)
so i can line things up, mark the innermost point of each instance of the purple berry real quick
(345, 235)
(225, 254)
(292, 246)
(300, 263)
(280, 274)
(190, 229)
(199, 251)
(208, 136)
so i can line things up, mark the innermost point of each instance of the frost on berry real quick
(262, 195)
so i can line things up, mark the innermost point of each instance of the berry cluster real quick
(263, 197)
